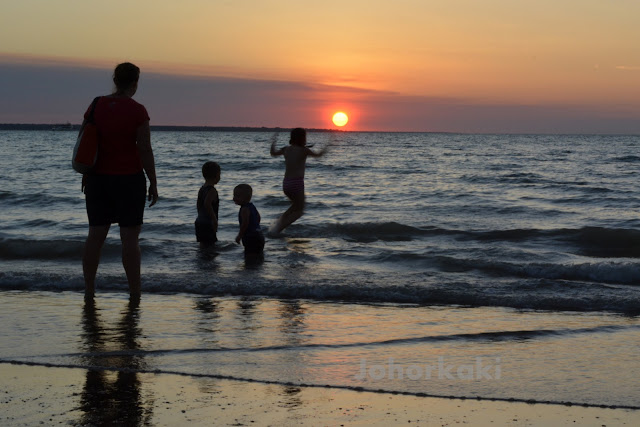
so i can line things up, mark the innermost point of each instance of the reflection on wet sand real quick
(292, 328)
(114, 389)
(250, 324)
(113, 398)
(208, 326)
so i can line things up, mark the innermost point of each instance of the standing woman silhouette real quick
(115, 190)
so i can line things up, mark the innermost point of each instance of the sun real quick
(340, 119)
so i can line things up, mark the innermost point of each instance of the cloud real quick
(60, 92)
(628, 67)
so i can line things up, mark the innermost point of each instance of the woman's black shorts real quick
(115, 198)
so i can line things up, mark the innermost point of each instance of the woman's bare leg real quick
(131, 257)
(91, 257)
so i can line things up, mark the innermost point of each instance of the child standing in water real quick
(249, 218)
(295, 158)
(208, 203)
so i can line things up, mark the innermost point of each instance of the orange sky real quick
(575, 54)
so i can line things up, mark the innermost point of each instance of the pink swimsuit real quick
(293, 186)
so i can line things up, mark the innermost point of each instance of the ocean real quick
(478, 266)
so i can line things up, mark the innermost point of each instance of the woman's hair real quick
(210, 170)
(125, 75)
(298, 137)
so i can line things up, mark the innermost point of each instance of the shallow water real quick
(521, 221)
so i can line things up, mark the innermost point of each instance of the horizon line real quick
(207, 128)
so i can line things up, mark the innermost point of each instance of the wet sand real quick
(38, 395)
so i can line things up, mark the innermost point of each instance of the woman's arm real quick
(148, 162)
(84, 177)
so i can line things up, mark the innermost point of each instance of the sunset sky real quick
(566, 66)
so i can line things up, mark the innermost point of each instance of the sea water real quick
(493, 266)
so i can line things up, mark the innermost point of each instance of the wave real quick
(522, 294)
(35, 199)
(594, 242)
(599, 242)
(627, 159)
(51, 249)
(530, 179)
(607, 272)
(606, 242)
(492, 336)
(369, 232)
(13, 249)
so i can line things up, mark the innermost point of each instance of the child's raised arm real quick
(274, 152)
(320, 153)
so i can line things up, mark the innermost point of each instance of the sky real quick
(490, 66)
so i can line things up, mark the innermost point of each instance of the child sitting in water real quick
(250, 233)
(295, 158)
(207, 205)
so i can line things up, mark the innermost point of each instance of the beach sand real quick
(39, 395)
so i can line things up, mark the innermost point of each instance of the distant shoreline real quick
(76, 127)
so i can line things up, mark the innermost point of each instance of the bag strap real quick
(93, 108)
(90, 118)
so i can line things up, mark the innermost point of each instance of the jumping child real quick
(295, 158)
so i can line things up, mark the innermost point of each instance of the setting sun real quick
(340, 119)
